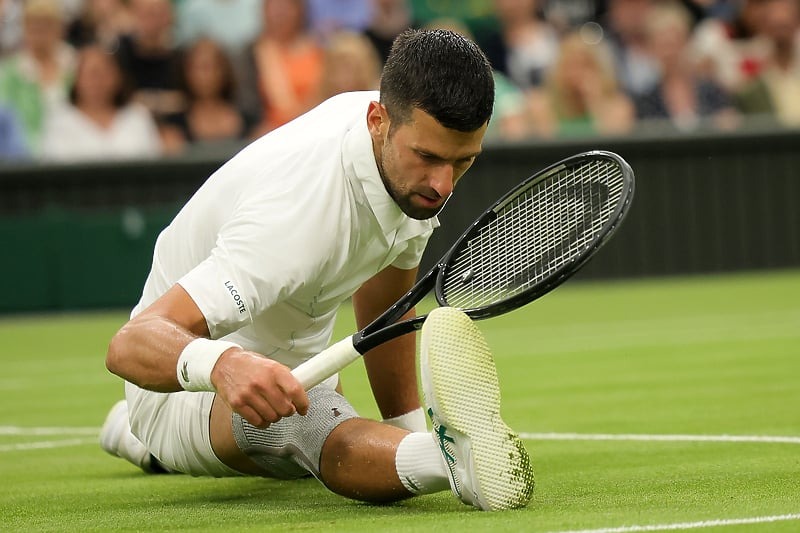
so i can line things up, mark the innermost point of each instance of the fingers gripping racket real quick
(525, 245)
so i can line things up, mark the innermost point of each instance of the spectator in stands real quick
(389, 19)
(36, 78)
(232, 23)
(524, 46)
(327, 17)
(100, 122)
(351, 64)
(732, 51)
(150, 56)
(12, 139)
(211, 115)
(624, 24)
(288, 63)
(581, 95)
(776, 91)
(681, 97)
(101, 21)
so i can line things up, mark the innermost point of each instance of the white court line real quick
(43, 445)
(19, 430)
(692, 525)
(769, 439)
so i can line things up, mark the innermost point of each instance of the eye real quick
(465, 162)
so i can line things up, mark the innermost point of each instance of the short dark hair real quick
(441, 73)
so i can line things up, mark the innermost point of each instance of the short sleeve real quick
(415, 246)
(261, 257)
(215, 289)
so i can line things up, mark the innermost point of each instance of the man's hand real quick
(261, 390)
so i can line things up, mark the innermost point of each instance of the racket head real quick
(537, 235)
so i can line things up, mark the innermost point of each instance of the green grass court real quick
(632, 397)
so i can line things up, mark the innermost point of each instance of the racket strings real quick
(547, 225)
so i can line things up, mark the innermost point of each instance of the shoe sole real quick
(461, 387)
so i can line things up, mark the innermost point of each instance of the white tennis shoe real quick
(116, 438)
(487, 462)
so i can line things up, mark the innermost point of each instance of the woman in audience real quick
(100, 122)
(288, 63)
(581, 95)
(351, 64)
(36, 78)
(681, 97)
(209, 86)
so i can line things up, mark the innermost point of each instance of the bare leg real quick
(223, 443)
(358, 461)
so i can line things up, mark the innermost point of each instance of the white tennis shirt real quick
(284, 232)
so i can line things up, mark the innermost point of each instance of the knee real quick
(340, 449)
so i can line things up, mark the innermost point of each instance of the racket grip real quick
(326, 363)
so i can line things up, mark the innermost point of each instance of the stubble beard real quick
(403, 197)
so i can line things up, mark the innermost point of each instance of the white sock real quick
(420, 464)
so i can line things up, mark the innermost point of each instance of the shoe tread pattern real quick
(463, 378)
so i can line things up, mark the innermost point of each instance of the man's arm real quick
(145, 352)
(391, 367)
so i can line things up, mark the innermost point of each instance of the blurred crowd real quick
(103, 79)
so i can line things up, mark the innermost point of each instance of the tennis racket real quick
(525, 245)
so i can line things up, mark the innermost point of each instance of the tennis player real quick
(247, 279)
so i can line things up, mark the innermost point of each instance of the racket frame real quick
(565, 271)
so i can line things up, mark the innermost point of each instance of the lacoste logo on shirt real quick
(236, 297)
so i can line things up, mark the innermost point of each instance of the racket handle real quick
(326, 363)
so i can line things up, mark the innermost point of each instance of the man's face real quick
(421, 161)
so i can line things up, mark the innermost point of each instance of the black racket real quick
(525, 245)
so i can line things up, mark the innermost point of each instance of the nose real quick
(442, 180)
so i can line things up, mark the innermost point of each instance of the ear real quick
(377, 120)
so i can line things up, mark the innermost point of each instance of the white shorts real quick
(174, 427)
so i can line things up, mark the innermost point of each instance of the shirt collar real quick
(359, 156)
